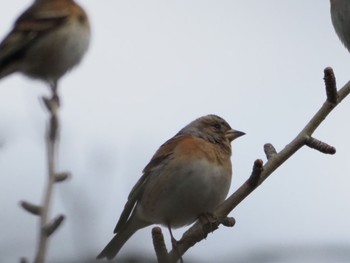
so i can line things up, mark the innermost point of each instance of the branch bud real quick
(31, 208)
(331, 85)
(320, 146)
(269, 150)
(256, 173)
(53, 225)
(228, 221)
(60, 177)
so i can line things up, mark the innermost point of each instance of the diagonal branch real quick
(260, 173)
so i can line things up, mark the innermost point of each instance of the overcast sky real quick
(154, 66)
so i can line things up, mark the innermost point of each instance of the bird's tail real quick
(9, 55)
(6, 70)
(118, 241)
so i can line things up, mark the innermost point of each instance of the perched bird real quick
(188, 176)
(340, 14)
(47, 40)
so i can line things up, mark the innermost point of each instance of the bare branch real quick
(196, 232)
(48, 227)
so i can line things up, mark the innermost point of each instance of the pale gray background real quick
(154, 66)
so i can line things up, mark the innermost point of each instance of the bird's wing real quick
(160, 159)
(34, 22)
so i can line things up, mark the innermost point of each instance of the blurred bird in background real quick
(340, 14)
(47, 40)
(189, 175)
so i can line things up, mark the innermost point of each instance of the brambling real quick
(340, 14)
(188, 176)
(47, 40)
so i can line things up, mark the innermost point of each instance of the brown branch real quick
(51, 140)
(260, 173)
(159, 245)
(48, 227)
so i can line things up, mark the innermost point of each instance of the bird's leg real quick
(54, 86)
(174, 243)
(173, 240)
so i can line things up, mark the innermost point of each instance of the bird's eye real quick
(217, 126)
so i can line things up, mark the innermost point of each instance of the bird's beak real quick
(233, 134)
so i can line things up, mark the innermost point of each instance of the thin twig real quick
(51, 141)
(196, 232)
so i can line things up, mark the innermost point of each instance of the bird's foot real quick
(209, 222)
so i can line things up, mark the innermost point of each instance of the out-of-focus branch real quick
(31, 208)
(51, 140)
(261, 172)
(47, 226)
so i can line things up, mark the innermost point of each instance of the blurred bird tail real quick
(113, 247)
(5, 69)
(118, 241)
